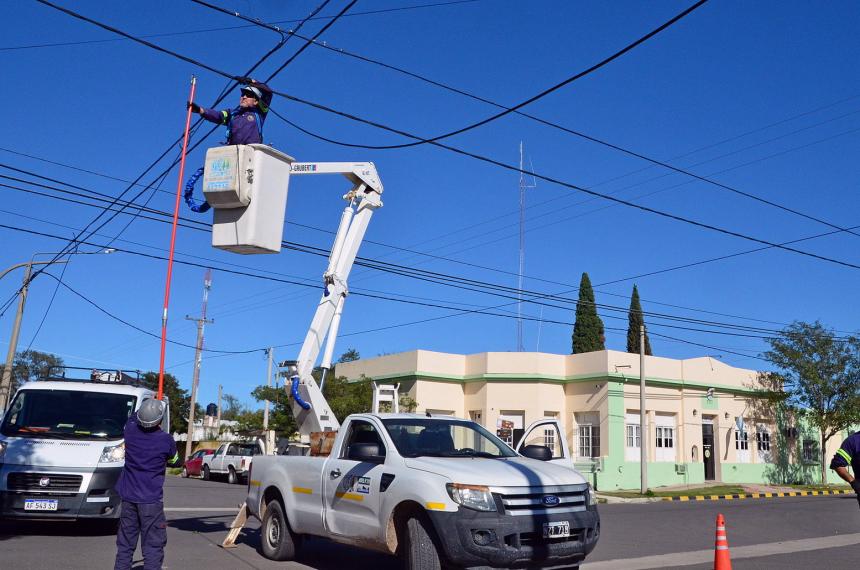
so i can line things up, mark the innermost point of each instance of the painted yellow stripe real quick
(255, 483)
(815, 492)
(349, 496)
(685, 498)
(768, 495)
(435, 506)
(700, 497)
(303, 490)
(780, 494)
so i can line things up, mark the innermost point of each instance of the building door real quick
(708, 450)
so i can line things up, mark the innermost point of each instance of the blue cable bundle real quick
(294, 390)
(189, 193)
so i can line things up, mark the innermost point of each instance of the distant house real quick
(705, 421)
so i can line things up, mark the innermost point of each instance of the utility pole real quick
(201, 322)
(269, 440)
(6, 383)
(643, 427)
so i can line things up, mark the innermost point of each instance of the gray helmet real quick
(151, 413)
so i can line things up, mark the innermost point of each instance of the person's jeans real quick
(145, 521)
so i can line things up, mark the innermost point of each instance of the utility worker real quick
(148, 450)
(245, 122)
(849, 454)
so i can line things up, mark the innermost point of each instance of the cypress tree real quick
(635, 319)
(588, 329)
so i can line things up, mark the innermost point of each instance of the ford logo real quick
(44, 482)
(550, 500)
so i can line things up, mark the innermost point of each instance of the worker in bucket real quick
(245, 122)
(148, 451)
(849, 454)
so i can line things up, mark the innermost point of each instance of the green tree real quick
(819, 375)
(30, 365)
(635, 320)
(588, 329)
(281, 418)
(180, 401)
(231, 408)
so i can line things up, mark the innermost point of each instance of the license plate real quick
(40, 504)
(556, 529)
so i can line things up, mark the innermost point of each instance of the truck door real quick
(548, 433)
(351, 487)
(217, 463)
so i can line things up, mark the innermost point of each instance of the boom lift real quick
(245, 184)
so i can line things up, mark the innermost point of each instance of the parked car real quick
(194, 465)
(232, 460)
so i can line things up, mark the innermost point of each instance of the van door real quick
(548, 433)
(352, 488)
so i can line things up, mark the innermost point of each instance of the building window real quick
(589, 440)
(810, 451)
(762, 444)
(742, 445)
(633, 437)
(664, 441)
(549, 438)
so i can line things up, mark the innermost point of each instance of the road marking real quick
(705, 556)
(200, 509)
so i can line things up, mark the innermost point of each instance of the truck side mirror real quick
(367, 452)
(539, 452)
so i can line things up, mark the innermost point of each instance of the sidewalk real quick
(750, 491)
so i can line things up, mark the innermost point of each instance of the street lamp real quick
(6, 381)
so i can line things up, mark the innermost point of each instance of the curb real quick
(756, 495)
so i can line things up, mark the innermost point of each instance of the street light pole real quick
(643, 427)
(269, 440)
(6, 382)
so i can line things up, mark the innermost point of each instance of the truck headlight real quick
(3, 445)
(113, 453)
(477, 497)
(591, 497)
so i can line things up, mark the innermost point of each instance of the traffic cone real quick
(722, 560)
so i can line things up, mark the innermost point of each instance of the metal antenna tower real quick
(523, 188)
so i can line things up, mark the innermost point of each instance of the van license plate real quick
(556, 529)
(40, 504)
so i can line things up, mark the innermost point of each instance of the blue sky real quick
(763, 97)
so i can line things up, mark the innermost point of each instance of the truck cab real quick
(231, 459)
(62, 447)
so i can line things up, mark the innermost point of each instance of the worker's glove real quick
(195, 108)
(855, 484)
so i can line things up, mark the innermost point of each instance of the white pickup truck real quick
(433, 490)
(231, 460)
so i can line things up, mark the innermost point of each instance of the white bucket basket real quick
(247, 186)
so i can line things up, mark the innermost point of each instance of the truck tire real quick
(206, 473)
(420, 552)
(278, 541)
(231, 476)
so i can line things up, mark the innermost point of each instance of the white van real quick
(62, 448)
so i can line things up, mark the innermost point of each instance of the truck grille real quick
(568, 500)
(18, 481)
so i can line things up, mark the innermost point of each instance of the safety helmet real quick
(253, 91)
(151, 413)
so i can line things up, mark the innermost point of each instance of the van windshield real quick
(435, 438)
(68, 414)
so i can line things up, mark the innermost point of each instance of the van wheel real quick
(278, 541)
(205, 472)
(420, 551)
(231, 476)
(184, 473)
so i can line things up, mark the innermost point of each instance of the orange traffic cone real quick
(722, 560)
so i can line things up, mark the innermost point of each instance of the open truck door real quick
(544, 439)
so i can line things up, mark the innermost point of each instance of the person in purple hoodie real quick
(148, 451)
(245, 122)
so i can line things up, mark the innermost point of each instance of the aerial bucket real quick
(247, 185)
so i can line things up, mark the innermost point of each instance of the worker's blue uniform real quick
(849, 454)
(244, 124)
(141, 487)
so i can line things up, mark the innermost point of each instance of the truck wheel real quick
(205, 472)
(278, 540)
(231, 476)
(184, 473)
(420, 552)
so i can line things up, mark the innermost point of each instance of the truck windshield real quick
(444, 438)
(68, 414)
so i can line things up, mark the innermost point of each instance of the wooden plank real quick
(236, 527)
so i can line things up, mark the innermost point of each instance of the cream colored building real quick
(693, 409)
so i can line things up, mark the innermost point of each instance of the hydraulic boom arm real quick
(309, 406)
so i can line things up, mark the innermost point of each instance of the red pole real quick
(173, 243)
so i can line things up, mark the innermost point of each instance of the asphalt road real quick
(797, 532)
